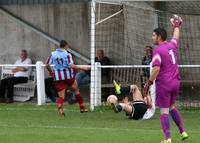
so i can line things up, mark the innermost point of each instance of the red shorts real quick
(62, 84)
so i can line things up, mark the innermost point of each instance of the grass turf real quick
(29, 123)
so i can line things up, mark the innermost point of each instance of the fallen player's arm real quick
(154, 74)
(148, 101)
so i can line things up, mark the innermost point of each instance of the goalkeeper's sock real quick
(176, 116)
(164, 120)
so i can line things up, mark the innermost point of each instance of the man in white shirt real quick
(21, 75)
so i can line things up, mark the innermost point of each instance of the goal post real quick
(41, 96)
(123, 29)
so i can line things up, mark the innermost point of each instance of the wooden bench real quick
(128, 76)
(22, 91)
(124, 76)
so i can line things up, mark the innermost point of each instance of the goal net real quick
(124, 29)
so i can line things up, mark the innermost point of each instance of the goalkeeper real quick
(140, 106)
(166, 74)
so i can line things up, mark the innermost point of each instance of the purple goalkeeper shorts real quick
(166, 94)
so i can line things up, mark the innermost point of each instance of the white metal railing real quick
(95, 96)
(144, 66)
(40, 83)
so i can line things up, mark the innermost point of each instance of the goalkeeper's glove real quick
(176, 21)
(146, 87)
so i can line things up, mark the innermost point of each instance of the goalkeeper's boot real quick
(184, 136)
(61, 112)
(117, 87)
(167, 141)
(116, 107)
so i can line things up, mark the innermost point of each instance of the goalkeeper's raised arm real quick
(176, 22)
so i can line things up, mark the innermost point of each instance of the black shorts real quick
(139, 108)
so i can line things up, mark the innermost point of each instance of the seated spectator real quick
(50, 89)
(21, 75)
(52, 94)
(83, 77)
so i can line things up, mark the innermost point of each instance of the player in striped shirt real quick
(63, 73)
(165, 72)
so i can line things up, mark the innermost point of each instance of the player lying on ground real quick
(140, 105)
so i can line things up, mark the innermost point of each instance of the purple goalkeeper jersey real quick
(165, 56)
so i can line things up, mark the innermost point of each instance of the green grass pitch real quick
(29, 123)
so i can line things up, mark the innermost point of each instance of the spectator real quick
(83, 77)
(21, 75)
(52, 94)
(146, 60)
(50, 89)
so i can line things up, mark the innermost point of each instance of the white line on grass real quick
(65, 109)
(86, 128)
(35, 109)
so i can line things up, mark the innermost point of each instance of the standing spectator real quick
(83, 77)
(63, 73)
(165, 72)
(146, 60)
(21, 75)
